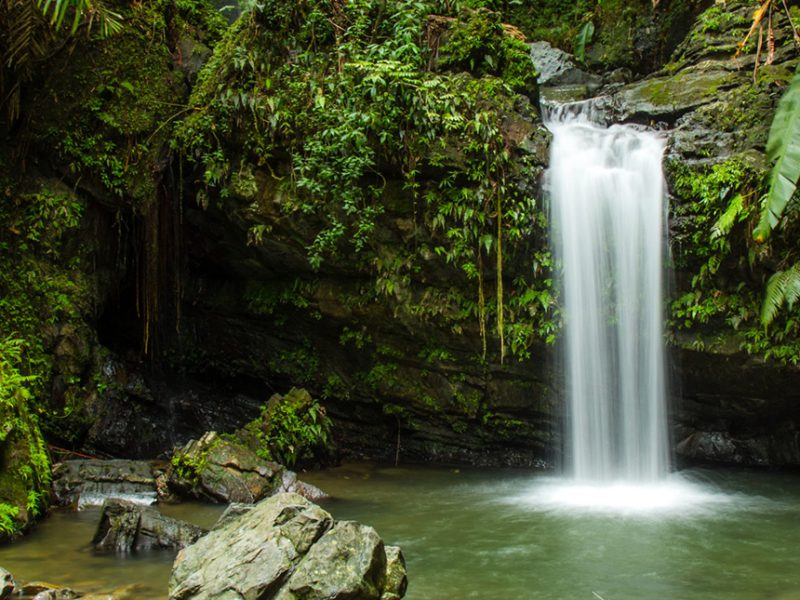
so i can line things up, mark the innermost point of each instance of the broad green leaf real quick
(783, 148)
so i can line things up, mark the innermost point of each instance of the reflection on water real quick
(508, 535)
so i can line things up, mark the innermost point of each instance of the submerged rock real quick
(85, 483)
(127, 527)
(40, 590)
(285, 547)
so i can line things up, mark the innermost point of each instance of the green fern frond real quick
(729, 218)
(782, 288)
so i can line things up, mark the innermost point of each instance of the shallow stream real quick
(503, 535)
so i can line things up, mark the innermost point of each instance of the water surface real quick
(503, 535)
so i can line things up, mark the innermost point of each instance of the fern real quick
(733, 214)
(782, 288)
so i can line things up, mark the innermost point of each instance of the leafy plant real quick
(89, 11)
(292, 428)
(7, 515)
(783, 149)
(188, 467)
(783, 288)
(583, 38)
(28, 31)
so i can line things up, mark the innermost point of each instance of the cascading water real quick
(607, 212)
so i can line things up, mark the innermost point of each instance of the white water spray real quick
(607, 203)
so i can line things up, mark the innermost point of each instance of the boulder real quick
(7, 584)
(127, 527)
(85, 483)
(290, 483)
(396, 577)
(285, 547)
(556, 68)
(220, 470)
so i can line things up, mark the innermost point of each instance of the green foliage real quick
(583, 38)
(188, 466)
(477, 42)
(783, 149)
(783, 288)
(716, 19)
(293, 428)
(87, 11)
(24, 462)
(8, 514)
(718, 200)
(326, 101)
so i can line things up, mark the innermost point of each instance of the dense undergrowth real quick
(331, 100)
(92, 119)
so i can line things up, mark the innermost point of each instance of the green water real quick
(490, 535)
(507, 535)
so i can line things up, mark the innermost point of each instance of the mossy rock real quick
(24, 469)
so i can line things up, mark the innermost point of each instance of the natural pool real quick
(499, 535)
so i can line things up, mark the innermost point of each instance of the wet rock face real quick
(127, 527)
(83, 483)
(287, 548)
(735, 409)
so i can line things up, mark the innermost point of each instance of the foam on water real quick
(674, 496)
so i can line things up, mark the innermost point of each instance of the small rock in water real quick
(40, 590)
(7, 584)
(290, 483)
(396, 578)
(127, 527)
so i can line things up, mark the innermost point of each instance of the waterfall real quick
(607, 198)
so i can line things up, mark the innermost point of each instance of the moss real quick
(24, 461)
(108, 106)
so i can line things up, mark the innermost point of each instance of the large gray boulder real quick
(286, 548)
(127, 527)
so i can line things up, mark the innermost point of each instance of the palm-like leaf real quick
(90, 10)
(783, 288)
(783, 148)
